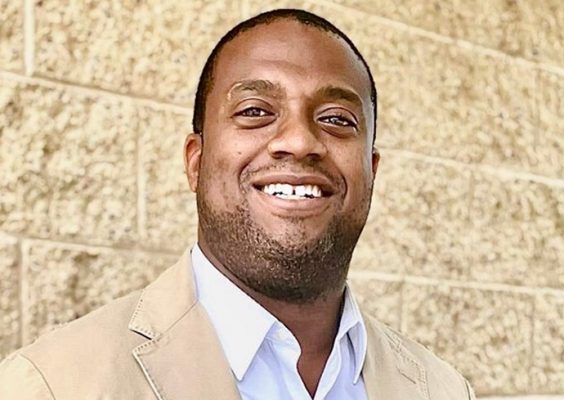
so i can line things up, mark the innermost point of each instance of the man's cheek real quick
(222, 165)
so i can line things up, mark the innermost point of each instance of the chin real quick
(295, 232)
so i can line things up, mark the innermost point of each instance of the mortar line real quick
(532, 342)
(83, 246)
(462, 43)
(29, 36)
(141, 187)
(473, 241)
(82, 89)
(501, 172)
(20, 293)
(24, 293)
(431, 281)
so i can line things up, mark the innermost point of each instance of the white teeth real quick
(312, 191)
(286, 191)
(269, 189)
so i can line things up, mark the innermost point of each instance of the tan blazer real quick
(160, 344)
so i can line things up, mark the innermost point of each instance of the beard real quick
(293, 268)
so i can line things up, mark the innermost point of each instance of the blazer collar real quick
(183, 357)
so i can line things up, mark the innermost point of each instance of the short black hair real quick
(304, 17)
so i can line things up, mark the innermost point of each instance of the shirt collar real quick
(352, 325)
(242, 324)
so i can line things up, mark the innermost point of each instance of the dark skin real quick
(295, 107)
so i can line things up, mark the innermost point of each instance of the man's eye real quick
(253, 112)
(338, 121)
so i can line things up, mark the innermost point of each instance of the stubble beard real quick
(294, 270)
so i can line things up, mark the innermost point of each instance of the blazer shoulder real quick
(441, 376)
(71, 356)
(103, 326)
(21, 380)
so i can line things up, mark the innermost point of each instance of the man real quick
(283, 163)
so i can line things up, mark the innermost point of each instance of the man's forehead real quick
(270, 36)
(294, 44)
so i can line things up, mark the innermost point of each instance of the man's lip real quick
(325, 184)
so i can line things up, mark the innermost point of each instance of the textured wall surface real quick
(464, 248)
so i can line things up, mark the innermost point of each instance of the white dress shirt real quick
(263, 354)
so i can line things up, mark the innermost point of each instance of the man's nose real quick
(299, 138)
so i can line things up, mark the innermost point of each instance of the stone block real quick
(68, 164)
(11, 36)
(378, 298)
(387, 52)
(543, 26)
(485, 334)
(66, 282)
(517, 232)
(497, 24)
(153, 48)
(9, 295)
(469, 107)
(171, 219)
(550, 137)
(418, 221)
(548, 342)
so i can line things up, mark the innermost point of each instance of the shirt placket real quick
(288, 353)
(330, 372)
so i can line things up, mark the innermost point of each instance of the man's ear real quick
(192, 156)
(375, 161)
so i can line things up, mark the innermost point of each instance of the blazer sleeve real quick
(21, 380)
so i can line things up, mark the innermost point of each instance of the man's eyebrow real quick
(339, 93)
(257, 85)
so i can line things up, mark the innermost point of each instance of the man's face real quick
(284, 174)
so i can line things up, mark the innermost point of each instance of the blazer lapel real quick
(183, 358)
(390, 372)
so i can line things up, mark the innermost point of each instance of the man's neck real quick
(314, 324)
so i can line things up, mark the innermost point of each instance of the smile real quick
(290, 195)
(293, 192)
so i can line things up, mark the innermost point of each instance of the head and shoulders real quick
(283, 162)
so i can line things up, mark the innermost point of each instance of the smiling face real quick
(285, 168)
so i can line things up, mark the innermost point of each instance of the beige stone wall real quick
(464, 249)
